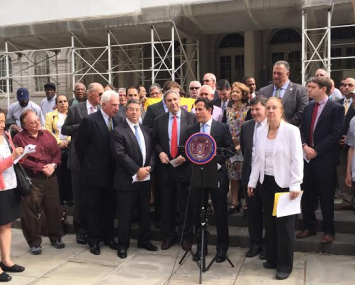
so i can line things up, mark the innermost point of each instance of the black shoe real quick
(234, 208)
(221, 256)
(282, 275)
(186, 245)
(167, 243)
(253, 252)
(148, 246)
(81, 239)
(122, 252)
(197, 255)
(4, 277)
(58, 244)
(14, 268)
(262, 255)
(111, 244)
(268, 265)
(95, 249)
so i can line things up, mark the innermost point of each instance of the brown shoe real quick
(305, 234)
(186, 245)
(326, 238)
(166, 244)
(343, 207)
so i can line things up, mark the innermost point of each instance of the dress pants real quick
(44, 197)
(318, 182)
(255, 219)
(175, 193)
(79, 219)
(279, 232)
(64, 179)
(100, 205)
(127, 202)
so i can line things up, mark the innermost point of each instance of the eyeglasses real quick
(100, 94)
(194, 88)
(154, 94)
(206, 80)
(204, 94)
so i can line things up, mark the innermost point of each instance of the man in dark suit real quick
(79, 94)
(321, 130)
(97, 167)
(254, 203)
(173, 181)
(70, 128)
(223, 90)
(294, 96)
(132, 149)
(220, 133)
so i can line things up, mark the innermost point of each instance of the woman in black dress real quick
(10, 202)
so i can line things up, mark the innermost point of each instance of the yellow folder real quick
(276, 200)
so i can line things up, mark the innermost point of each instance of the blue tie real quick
(137, 137)
(204, 128)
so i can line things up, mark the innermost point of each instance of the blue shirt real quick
(170, 126)
(282, 89)
(165, 108)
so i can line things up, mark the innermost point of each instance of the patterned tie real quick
(311, 129)
(138, 137)
(92, 110)
(110, 124)
(173, 142)
(346, 106)
(224, 105)
(277, 92)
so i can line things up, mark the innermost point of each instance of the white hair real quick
(195, 82)
(122, 90)
(209, 88)
(107, 95)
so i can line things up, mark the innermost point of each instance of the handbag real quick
(23, 180)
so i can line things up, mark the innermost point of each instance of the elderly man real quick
(70, 128)
(294, 96)
(210, 79)
(194, 89)
(40, 166)
(79, 94)
(206, 92)
(97, 167)
(48, 104)
(23, 103)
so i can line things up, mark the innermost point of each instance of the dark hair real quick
(132, 87)
(258, 99)
(110, 85)
(322, 81)
(223, 84)
(247, 78)
(133, 101)
(139, 86)
(24, 115)
(56, 98)
(170, 84)
(2, 112)
(208, 103)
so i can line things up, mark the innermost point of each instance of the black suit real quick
(172, 181)
(218, 102)
(349, 115)
(320, 172)
(255, 205)
(129, 159)
(153, 111)
(220, 133)
(97, 165)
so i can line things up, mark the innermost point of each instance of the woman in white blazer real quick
(277, 167)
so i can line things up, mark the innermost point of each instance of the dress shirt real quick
(282, 89)
(15, 111)
(48, 105)
(255, 138)
(106, 118)
(88, 107)
(320, 110)
(141, 138)
(217, 114)
(47, 150)
(350, 141)
(349, 103)
(170, 127)
(336, 95)
(269, 157)
(207, 125)
(164, 105)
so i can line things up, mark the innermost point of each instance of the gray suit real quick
(294, 101)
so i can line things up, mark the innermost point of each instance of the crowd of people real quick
(103, 150)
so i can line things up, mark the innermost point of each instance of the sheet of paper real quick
(277, 196)
(287, 207)
(134, 177)
(30, 148)
(174, 162)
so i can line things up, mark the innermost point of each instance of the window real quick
(41, 69)
(225, 67)
(336, 63)
(232, 41)
(3, 87)
(286, 36)
(350, 62)
(239, 67)
(276, 56)
(343, 33)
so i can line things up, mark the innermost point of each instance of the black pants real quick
(79, 218)
(100, 210)
(279, 232)
(64, 179)
(255, 219)
(127, 202)
(318, 183)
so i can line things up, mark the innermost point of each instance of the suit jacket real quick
(161, 142)
(349, 115)
(221, 134)
(216, 94)
(153, 112)
(70, 128)
(287, 157)
(327, 133)
(246, 146)
(217, 102)
(128, 156)
(294, 101)
(93, 148)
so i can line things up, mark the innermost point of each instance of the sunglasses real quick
(194, 88)
(100, 94)
(206, 80)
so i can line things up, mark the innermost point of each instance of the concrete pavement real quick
(76, 265)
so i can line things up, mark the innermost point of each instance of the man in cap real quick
(48, 104)
(23, 103)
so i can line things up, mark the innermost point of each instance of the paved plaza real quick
(76, 265)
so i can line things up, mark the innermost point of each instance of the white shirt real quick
(269, 157)
(48, 105)
(208, 126)
(141, 138)
(255, 138)
(88, 107)
(60, 123)
(106, 117)
(8, 174)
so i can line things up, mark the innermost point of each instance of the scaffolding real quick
(148, 62)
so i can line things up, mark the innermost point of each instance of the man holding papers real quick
(174, 180)
(132, 149)
(277, 167)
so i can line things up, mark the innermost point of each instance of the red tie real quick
(173, 143)
(314, 116)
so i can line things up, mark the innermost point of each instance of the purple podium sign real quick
(200, 148)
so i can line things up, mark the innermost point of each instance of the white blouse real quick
(60, 123)
(8, 174)
(269, 157)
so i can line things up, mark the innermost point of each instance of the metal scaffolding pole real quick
(109, 57)
(73, 60)
(152, 52)
(173, 53)
(7, 74)
(329, 48)
(304, 46)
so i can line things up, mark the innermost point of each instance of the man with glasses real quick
(70, 128)
(194, 89)
(210, 79)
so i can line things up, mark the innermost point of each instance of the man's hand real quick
(250, 191)
(48, 169)
(180, 159)
(143, 172)
(348, 180)
(294, 194)
(342, 140)
(15, 128)
(63, 144)
(237, 148)
(310, 152)
(164, 158)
